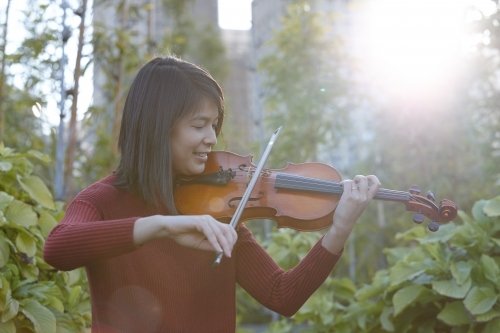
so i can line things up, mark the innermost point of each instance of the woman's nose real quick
(211, 137)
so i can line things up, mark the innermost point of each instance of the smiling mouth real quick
(200, 154)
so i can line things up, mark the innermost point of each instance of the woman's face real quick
(192, 139)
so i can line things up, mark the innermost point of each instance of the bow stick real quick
(248, 191)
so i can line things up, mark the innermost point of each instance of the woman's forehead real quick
(204, 110)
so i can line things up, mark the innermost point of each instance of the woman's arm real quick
(201, 232)
(285, 292)
(83, 237)
(281, 291)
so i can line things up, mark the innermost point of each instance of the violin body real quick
(300, 196)
(289, 208)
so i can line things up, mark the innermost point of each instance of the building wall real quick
(238, 91)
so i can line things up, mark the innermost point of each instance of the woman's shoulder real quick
(103, 191)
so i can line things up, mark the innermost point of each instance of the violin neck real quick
(299, 183)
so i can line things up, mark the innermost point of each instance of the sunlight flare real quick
(412, 43)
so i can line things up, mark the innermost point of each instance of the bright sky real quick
(414, 45)
(235, 14)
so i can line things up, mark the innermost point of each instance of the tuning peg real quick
(418, 218)
(431, 196)
(433, 226)
(415, 189)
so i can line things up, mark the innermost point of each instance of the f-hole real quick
(230, 203)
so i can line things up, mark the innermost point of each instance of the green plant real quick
(34, 296)
(448, 281)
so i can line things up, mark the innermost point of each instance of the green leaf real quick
(495, 240)
(451, 288)
(406, 296)
(3, 220)
(5, 166)
(56, 304)
(492, 208)
(482, 318)
(41, 156)
(5, 200)
(480, 300)
(454, 314)
(464, 217)
(29, 271)
(11, 307)
(461, 270)
(490, 269)
(26, 244)
(478, 212)
(46, 222)
(21, 213)
(4, 250)
(385, 321)
(37, 189)
(42, 318)
(445, 232)
(73, 276)
(404, 271)
(493, 326)
(7, 327)
(74, 297)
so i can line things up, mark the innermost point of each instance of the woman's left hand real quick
(353, 202)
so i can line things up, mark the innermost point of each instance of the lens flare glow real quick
(412, 44)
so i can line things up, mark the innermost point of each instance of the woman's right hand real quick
(195, 231)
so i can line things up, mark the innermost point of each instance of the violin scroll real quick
(425, 206)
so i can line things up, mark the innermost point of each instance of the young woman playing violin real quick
(148, 267)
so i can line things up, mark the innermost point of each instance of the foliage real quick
(448, 281)
(35, 62)
(484, 91)
(198, 42)
(30, 76)
(306, 93)
(34, 297)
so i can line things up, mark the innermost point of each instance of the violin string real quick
(314, 181)
(306, 183)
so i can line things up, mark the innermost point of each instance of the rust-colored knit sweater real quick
(162, 286)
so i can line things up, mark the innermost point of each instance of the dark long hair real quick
(164, 91)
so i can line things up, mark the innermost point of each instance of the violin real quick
(300, 196)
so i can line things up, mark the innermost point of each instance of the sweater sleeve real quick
(280, 291)
(83, 237)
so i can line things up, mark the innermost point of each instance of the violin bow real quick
(248, 191)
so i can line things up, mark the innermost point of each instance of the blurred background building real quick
(243, 88)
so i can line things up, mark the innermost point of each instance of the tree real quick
(72, 142)
(2, 71)
(306, 91)
(484, 102)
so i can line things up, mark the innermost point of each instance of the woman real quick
(149, 269)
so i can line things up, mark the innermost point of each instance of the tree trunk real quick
(70, 151)
(59, 176)
(2, 73)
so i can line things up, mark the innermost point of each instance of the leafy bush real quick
(448, 281)
(34, 297)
